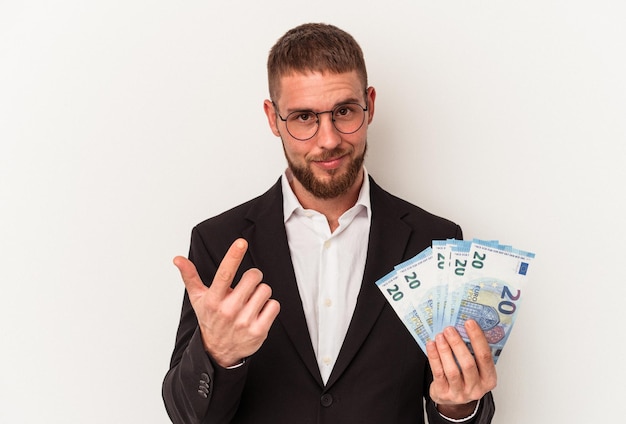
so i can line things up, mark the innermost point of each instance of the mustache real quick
(329, 154)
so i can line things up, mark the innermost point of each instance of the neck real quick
(333, 208)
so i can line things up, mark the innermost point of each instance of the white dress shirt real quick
(329, 270)
(328, 267)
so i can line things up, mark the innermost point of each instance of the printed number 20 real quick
(412, 280)
(395, 292)
(507, 307)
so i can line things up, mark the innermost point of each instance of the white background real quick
(124, 123)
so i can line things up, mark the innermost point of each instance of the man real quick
(282, 321)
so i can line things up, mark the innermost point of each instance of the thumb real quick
(190, 276)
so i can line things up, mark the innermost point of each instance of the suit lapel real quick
(388, 239)
(269, 251)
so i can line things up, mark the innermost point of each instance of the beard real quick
(338, 184)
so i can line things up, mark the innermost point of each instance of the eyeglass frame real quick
(317, 116)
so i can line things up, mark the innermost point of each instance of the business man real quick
(282, 321)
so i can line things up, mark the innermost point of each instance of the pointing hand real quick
(234, 322)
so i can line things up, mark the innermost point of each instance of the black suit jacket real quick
(381, 375)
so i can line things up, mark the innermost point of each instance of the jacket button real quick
(203, 388)
(326, 400)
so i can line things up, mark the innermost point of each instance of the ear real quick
(371, 99)
(272, 117)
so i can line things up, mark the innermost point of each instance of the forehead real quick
(316, 90)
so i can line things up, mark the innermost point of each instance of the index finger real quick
(228, 267)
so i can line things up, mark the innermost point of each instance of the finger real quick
(246, 286)
(482, 350)
(228, 267)
(464, 358)
(190, 276)
(268, 314)
(260, 311)
(439, 376)
(256, 301)
(434, 359)
(446, 344)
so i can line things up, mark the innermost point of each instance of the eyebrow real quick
(342, 102)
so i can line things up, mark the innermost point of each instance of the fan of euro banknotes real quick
(456, 280)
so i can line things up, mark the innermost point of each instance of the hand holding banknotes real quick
(459, 300)
(460, 378)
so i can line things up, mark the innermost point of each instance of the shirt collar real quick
(291, 202)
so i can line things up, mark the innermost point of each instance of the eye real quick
(346, 112)
(342, 111)
(302, 117)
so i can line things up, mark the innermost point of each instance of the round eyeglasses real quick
(347, 118)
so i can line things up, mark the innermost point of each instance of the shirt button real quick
(326, 244)
(328, 303)
(327, 360)
(326, 400)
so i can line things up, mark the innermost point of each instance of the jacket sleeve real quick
(195, 389)
(485, 412)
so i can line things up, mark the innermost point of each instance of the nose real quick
(327, 135)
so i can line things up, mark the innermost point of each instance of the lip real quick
(330, 164)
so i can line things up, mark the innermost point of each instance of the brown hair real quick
(314, 48)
